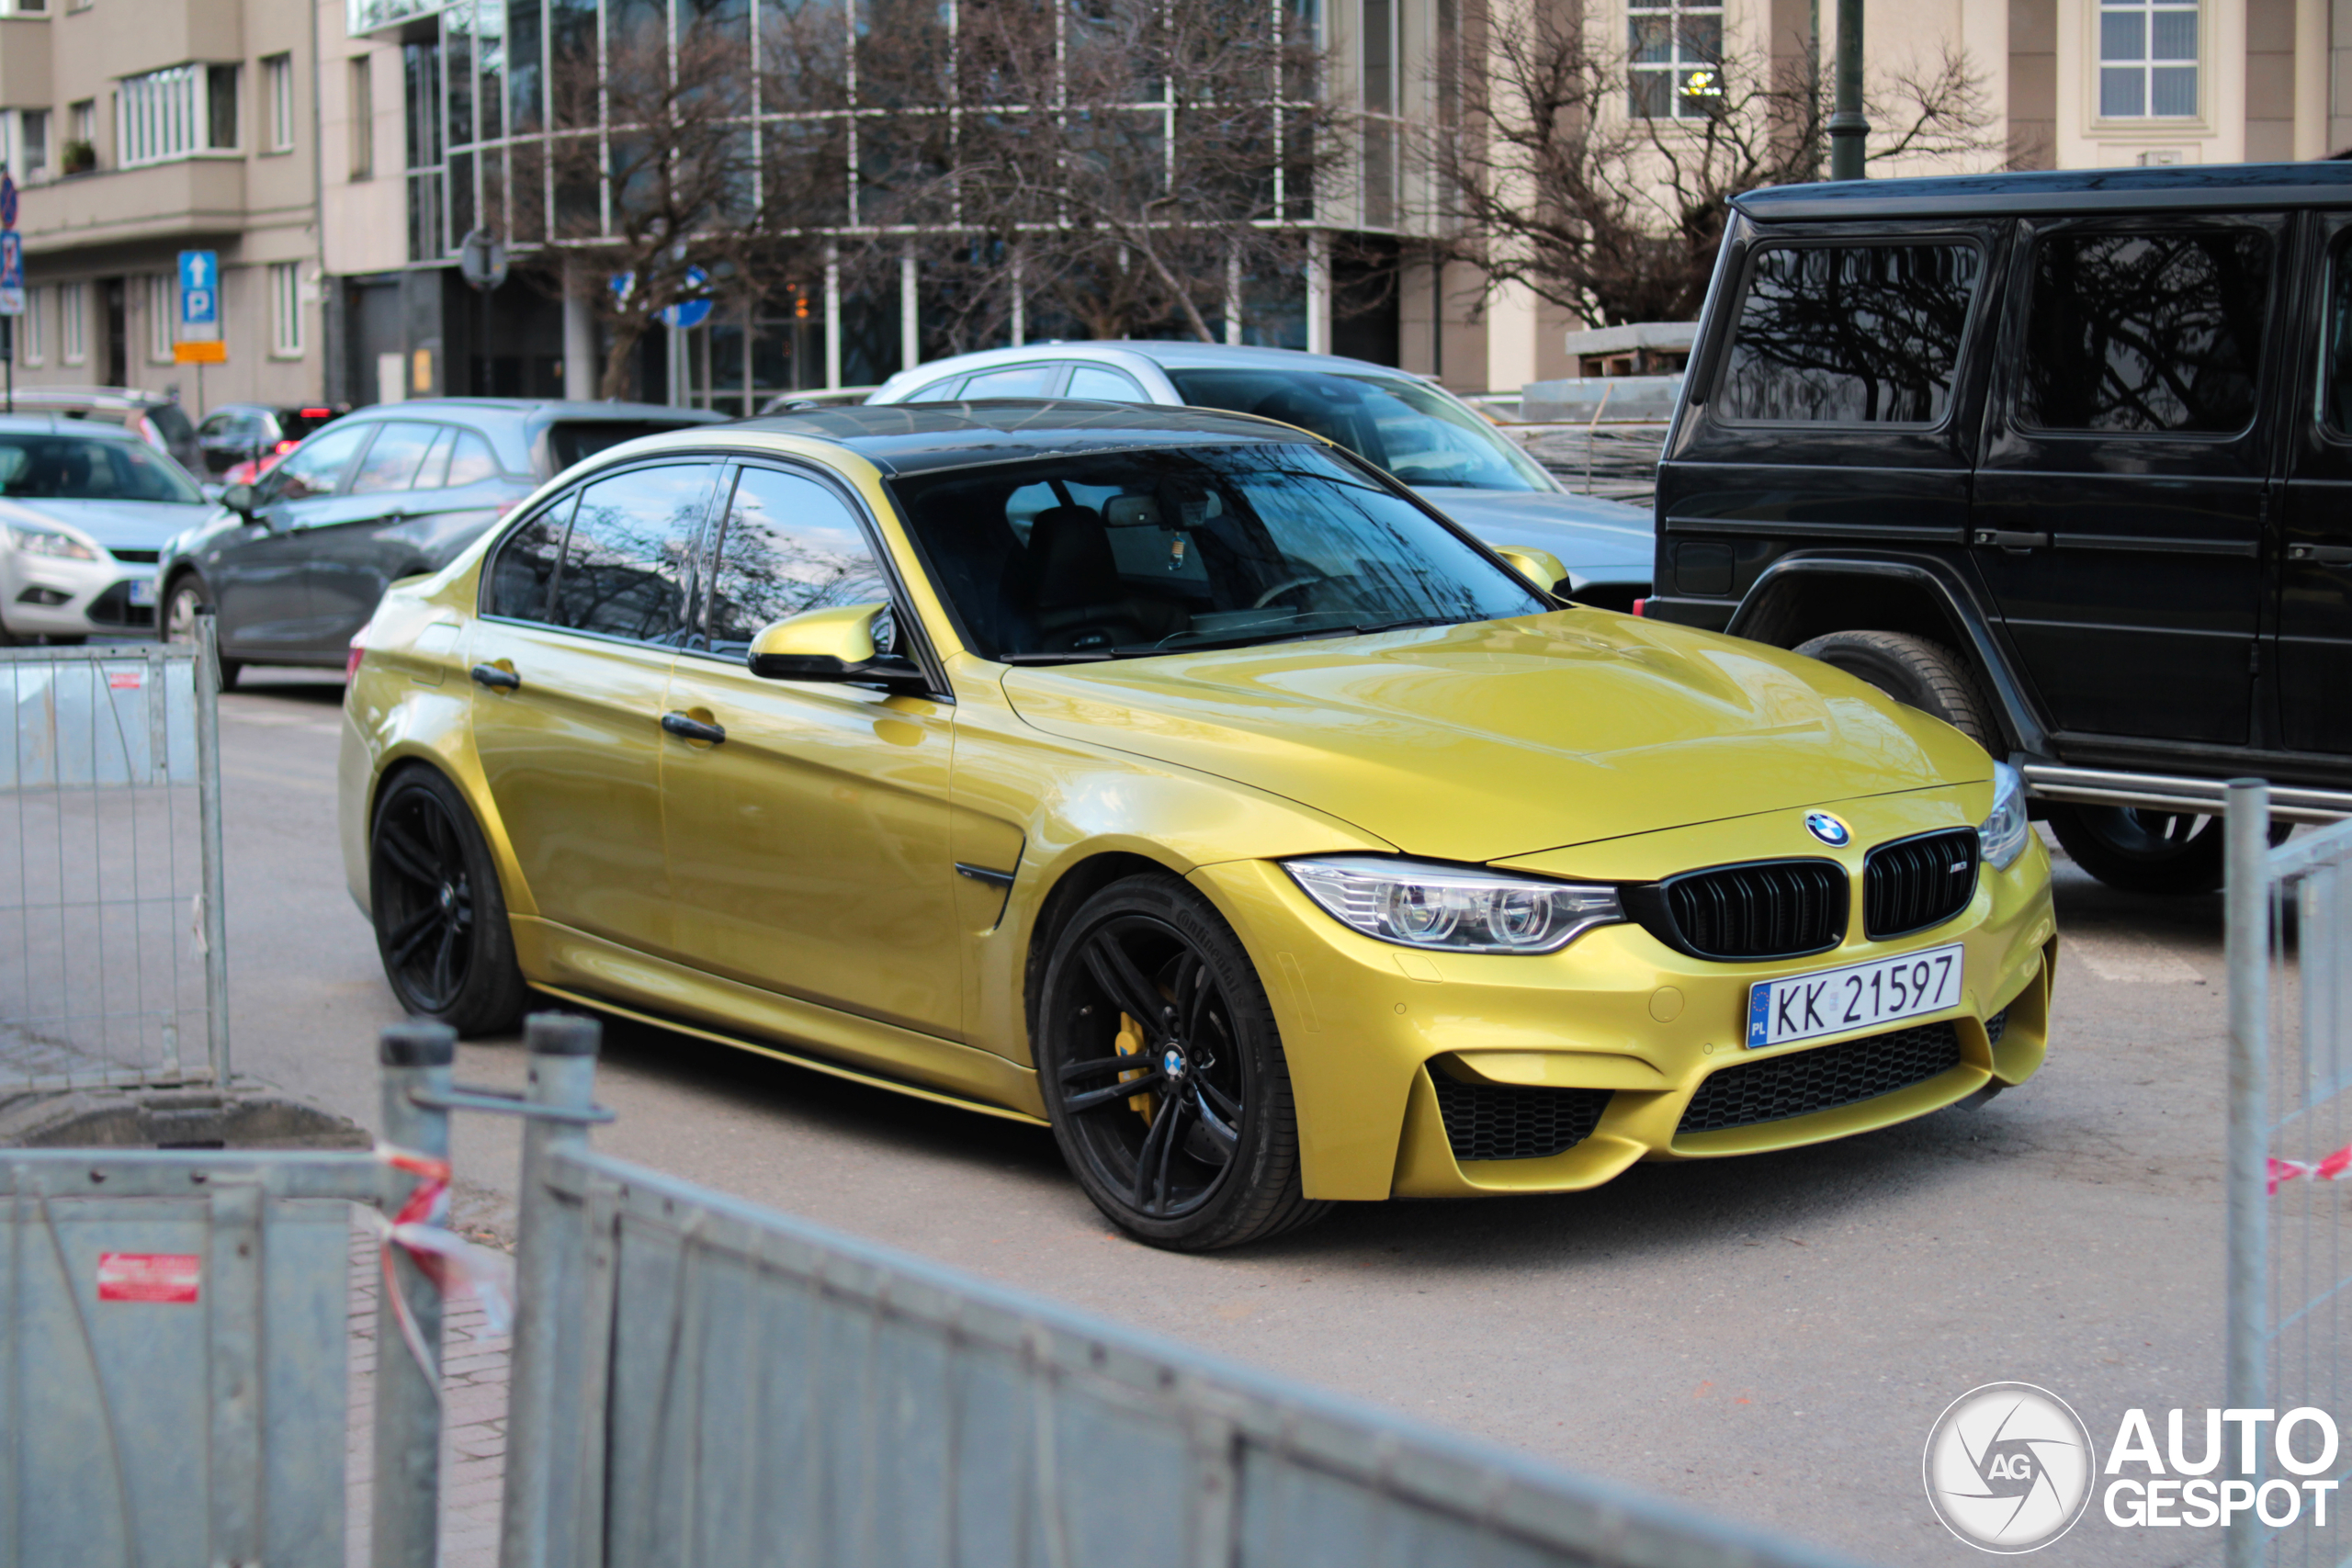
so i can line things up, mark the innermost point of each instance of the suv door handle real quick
(497, 680)
(687, 728)
(2003, 539)
(2325, 555)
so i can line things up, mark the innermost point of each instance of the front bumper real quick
(58, 596)
(1371, 1030)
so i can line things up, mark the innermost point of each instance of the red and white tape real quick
(421, 1229)
(2336, 1166)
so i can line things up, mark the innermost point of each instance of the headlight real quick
(45, 542)
(1416, 904)
(2003, 835)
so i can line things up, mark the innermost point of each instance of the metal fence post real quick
(208, 795)
(2248, 950)
(406, 1527)
(547, 1259)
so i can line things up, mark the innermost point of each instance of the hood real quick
(115, 524)
(1591, 536)
(1504, 738)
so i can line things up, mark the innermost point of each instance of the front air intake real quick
(1495, 1120)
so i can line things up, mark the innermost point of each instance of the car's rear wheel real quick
(1164, 1074)
(1916, 673)
(181, 606)
(2148, 852)
(440, 916)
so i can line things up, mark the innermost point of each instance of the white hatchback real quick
(85, 513)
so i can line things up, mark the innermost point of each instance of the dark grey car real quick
(294, 564)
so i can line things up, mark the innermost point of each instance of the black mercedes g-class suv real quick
(2062, 459)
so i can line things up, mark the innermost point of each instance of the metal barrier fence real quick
(2290, 1324)
(699, 1380)
(113, 967)
(174, 1345)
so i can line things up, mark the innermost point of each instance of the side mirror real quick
(239, 499)
(1541, 568)
(830, 645)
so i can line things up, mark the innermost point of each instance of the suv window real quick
(393, 461)
(313, 467)
(788, 545)
(1849, 334)
(2145, 333)
(624, 566)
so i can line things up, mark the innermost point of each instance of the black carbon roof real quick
(2323, 183)
(907, 438)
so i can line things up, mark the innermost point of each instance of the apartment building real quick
(136, 129)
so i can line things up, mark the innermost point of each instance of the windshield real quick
(1125, 554)
(78, 467)
(1411, 429)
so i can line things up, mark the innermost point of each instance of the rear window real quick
(1849, 334)
(573, 441)
(2146, 332)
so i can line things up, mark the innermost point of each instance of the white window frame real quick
(163, 310)
(161, 117)
(74, 322)
(278, 93)
(2146, 64)
(32, 343)
(286, 309)
(1686, 69)
(48, 164)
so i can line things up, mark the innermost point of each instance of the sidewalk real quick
(474, 1442)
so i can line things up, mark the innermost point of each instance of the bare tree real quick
(1547, 179)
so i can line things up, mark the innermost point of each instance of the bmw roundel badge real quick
(1828, 829)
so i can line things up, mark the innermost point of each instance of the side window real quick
(315, 466)
(624, 567)
(470, 461)
(937, 392)
(2146, 332)
(1111, 386)
(1014, 381)
(789, 544)
(392, 460)
(434, 473)
(2335, 387)
(524, 569)
(1849, 334)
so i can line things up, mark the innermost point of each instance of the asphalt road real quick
(1768, 1338)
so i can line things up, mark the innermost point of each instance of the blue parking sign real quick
(199, 291)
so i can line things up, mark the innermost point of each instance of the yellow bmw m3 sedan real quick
(1179, 780)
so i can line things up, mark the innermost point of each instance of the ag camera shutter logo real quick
(2008, 1467)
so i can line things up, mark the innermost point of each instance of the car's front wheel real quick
(188, 599)
(440, 916)
(1164, 1074)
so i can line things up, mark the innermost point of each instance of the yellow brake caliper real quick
(1130, 1041)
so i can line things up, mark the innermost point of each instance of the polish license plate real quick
(142, 590)
(1831, 1001)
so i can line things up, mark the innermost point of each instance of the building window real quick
(33, 126)
(174, 113)
(74, 322)
(32, 343)
(362, 119)
(162, 309)
(278, 79)
(2147, 59)
(286, 309)
(80, 154)
(1674, 59)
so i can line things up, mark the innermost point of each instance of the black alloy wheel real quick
(1164, 1073)
(2147, 852)
(440, 917)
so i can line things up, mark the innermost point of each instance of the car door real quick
(2120, 503)
(432, 490)
(572, 663)
(258, 572)
(2314, 555)
(809, 848)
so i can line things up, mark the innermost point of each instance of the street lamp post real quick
(1848, 128)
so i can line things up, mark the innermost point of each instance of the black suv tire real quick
(1913, 671)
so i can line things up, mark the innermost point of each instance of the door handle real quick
(2325, 555)
(497, 680)
(687, 728)
(2004, 539)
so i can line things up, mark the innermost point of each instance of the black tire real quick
(1916, 673)
(177, 622)
(2148, 852)
(440, 916)
(1214, 1160)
